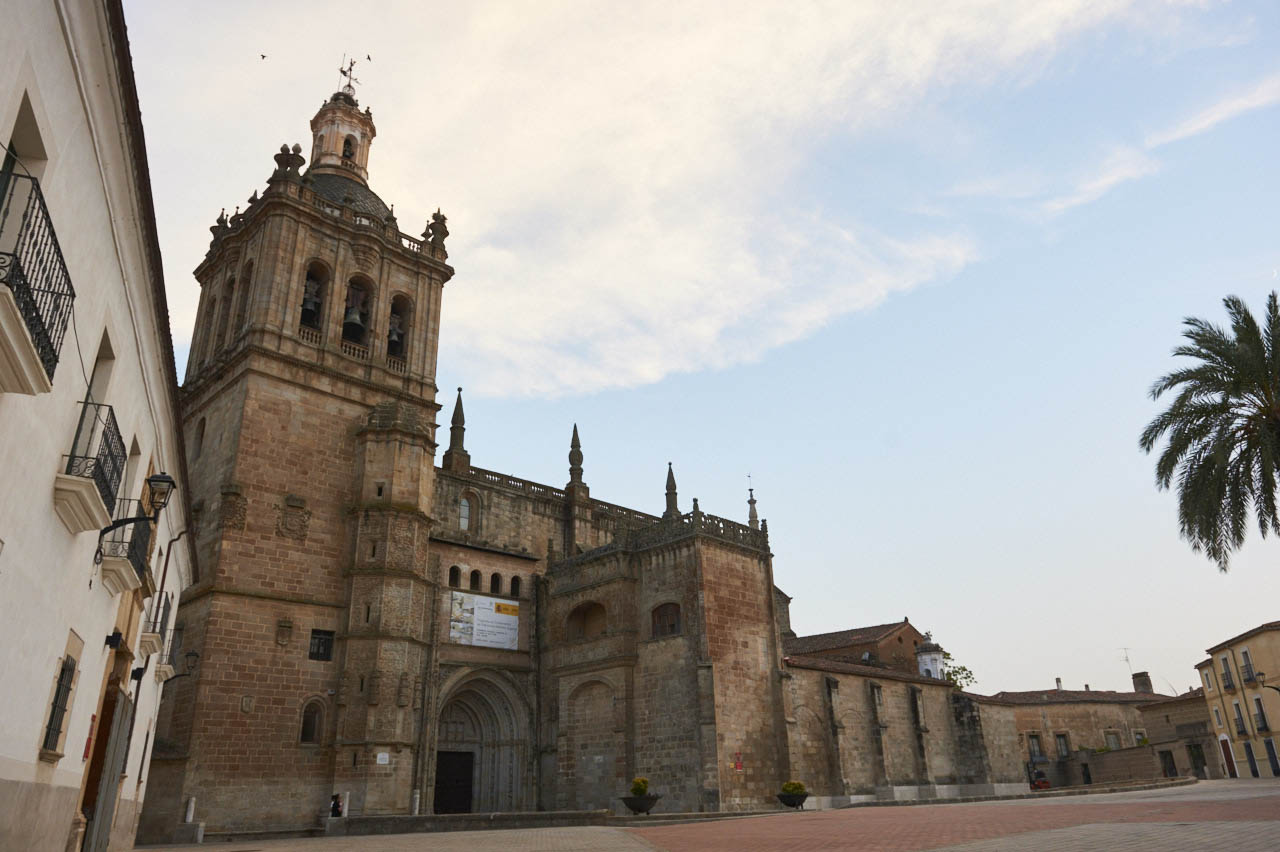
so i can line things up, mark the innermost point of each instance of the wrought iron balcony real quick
(98, 452)
(132, 542)
(1260, 720)
(1246, 673)
(1228, 682)
(1240, 727)
(32, 266)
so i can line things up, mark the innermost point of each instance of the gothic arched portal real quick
(482, 750)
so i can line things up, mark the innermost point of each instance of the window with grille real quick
(666, 620)
(61, 697)
(321, 645)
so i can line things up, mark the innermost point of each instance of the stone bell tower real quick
(310, 415)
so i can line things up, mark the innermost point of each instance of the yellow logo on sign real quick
(506, 609)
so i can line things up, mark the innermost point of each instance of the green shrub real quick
(793, 788)
(640, 786)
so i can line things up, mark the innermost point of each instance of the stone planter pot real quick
(641, 804)
(793, 800)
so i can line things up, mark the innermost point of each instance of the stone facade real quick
(429, 639)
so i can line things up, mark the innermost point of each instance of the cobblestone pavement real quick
(1240, 816)
(1206, 816)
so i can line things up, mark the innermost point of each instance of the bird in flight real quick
(263, 55)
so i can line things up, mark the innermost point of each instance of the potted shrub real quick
(641, 801)
(793, 795)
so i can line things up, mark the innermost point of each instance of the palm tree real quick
(1223, 429)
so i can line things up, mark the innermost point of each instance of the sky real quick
(912, 268)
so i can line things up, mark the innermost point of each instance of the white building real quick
(88, 398)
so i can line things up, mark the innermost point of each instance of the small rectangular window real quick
(321, 645)
(1064, 746)
(1217, 717)
(1113, 740)
(1033, 745)
(61, 696)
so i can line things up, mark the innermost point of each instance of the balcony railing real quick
(355, 350)
(1228, 682)
(397, 365)
(1240, 727)
(309, 334)
(132, 542)
(1260, 719)
(32, 266)
(1246, 673)
(98, 452)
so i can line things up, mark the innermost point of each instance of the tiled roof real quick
(1196, 694)
(839, 639)
(344, 190)
(1076, 696)
(1270, 625)
(826, 664)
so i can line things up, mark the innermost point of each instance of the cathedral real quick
(421, 635)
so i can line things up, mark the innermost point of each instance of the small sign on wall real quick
(383, 758)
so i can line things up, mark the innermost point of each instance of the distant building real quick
(1235, 678)
(88, 415)
(890, 645)
(1054, 724)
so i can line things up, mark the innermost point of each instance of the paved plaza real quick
(1238, 815)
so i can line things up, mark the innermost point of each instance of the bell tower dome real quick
(341, 136)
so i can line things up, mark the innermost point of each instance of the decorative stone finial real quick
(575, 458)
(456, 458)
(437, 228)
(753, 519)
(673, 508)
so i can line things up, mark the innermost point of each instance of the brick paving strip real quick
(935, 826)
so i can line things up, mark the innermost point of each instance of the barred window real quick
(455, 576)
(515, 587)
(61, 698)
(312, 722)
(475, 581)
(495, 584)
(321, 645)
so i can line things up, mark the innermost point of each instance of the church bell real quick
(353, 323)
(310, 308)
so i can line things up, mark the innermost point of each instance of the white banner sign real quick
(484, 622)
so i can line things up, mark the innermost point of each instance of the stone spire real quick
(456, 458)
(753, 520)
(575, 458)
(341, 135)
(673, 509)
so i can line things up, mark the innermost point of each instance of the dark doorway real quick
(1271, 757)
(1085, 774)
(1253, 764)
(1196, 754)
(1167, 766)
(1229, 758)
(453, 782)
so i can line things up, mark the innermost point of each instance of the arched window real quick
(928, 673)
(349, 148)
(207, 342)
(666, 620)
(455, 576)
(587, 621)
(313, 294)
(312, 722)
(515, 587)
(475, 581)
(495, 584)
(398, 328)
(198, 446)
(355, 319)
(464, 514)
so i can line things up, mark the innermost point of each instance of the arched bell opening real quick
(398, 327)
(314, 290)
(355, 319)
(482, 761)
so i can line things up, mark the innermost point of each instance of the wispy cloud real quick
(612, 172)
(1264, 93)
(1120, 166)
(1129, 164)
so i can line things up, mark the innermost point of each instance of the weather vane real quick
(348, 70)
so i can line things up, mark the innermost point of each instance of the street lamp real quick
(161, 486)
(1261, 678)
